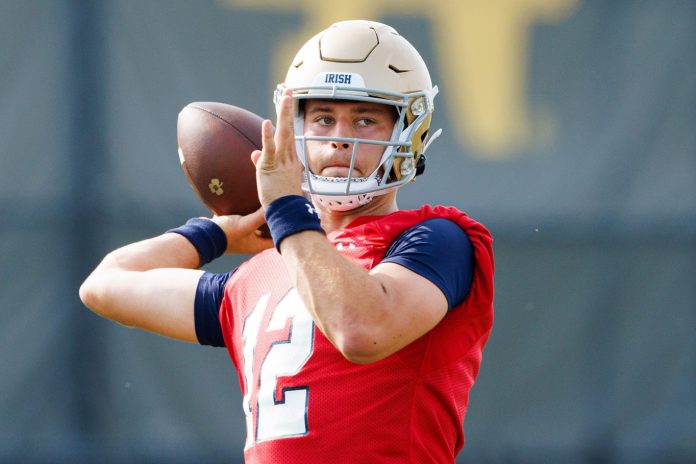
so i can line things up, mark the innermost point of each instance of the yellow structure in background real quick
(481, 49)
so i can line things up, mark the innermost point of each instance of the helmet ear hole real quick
(420, 165)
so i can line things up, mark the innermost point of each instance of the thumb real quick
(250, 222)
(256, 219)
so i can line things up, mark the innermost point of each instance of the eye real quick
(323, 120)
(364, 122)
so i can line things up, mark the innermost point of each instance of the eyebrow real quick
(358, 110)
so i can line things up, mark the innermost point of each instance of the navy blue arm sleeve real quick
(439, 250)
(209, 294)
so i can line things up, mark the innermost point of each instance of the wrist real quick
(206, 236)
(289, 215)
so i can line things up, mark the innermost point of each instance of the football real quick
(215, 144)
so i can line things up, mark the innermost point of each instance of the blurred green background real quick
(569, 130)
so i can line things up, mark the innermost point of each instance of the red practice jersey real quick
(305, 403)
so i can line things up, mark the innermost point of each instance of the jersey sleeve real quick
(439, 250)
(209, 294)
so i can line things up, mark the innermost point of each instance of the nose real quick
(342, 128)
(341, 145)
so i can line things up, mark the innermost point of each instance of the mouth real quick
(339, 171)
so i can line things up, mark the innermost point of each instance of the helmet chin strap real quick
(339, 202)
(342, 203)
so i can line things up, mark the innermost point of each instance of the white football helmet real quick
(364, 61)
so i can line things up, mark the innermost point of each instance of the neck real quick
(381, 205)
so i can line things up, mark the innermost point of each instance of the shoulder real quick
(439, 250)
(435, 233)
(439, 227)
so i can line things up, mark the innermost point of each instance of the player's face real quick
(329, 118)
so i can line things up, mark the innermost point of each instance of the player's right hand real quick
(241, 232)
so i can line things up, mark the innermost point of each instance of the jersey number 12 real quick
(285, 416)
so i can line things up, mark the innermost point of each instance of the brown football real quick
(215, 144)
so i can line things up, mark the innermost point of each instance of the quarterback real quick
(357, 331)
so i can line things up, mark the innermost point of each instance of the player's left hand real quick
(278, 170)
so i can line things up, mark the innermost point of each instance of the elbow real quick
(98, 295)
(362, 340)
(91, 294)
(361, 358)
(361, 347)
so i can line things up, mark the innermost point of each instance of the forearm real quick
(148, 284)
(349, 305)
(164, 251)
(152, 284)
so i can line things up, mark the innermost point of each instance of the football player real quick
(359, 332)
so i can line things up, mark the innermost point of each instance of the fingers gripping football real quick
(242, 232)
(278, 170)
